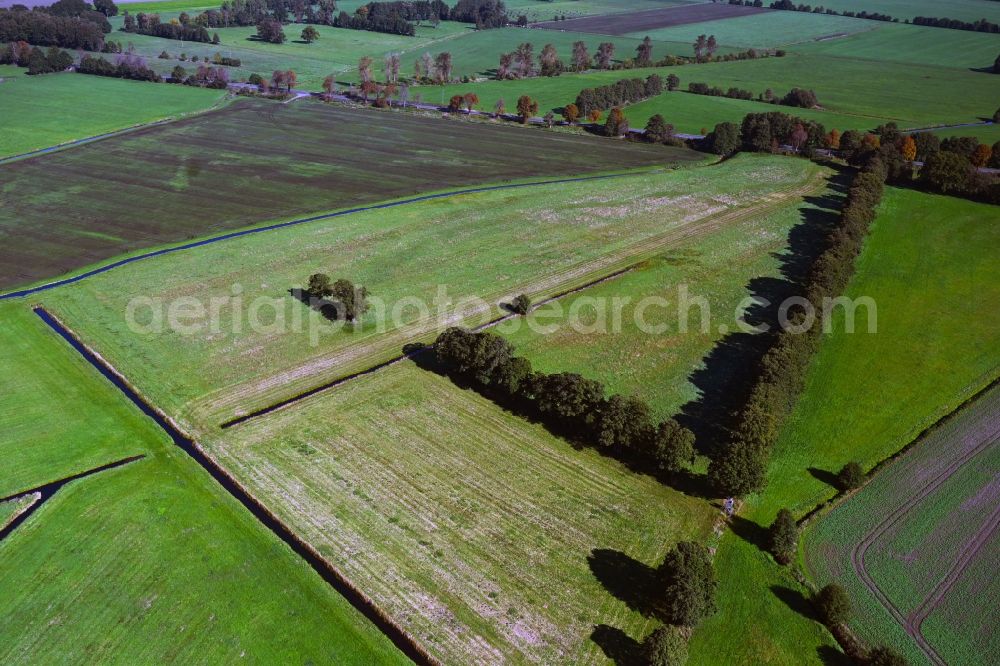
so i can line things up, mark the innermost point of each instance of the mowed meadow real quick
(492, 245)
(489, 539)
(258, 161)
(148, 562)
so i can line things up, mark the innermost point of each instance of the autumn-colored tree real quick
(391, 65)
(499, 108)
(470, 99)
(605, 52)
(908, 148)
(329, 85)
(526, 107)
(290, 79)
(455, 103)
(367, 88)
(581, 58)
(594, 115)
(616, 125)
(871, 141)
(365, 69)
(798, 137)
(571, 113)
(981, 156)
(832, 140)
(442, 67)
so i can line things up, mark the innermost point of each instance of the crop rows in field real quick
(905, 542)
(486, 537)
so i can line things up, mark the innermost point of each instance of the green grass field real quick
(910, 557)
(963, 10)
(43, 111)
(761, 31)
(259, 160)
(853, 94)
(488, 246)
(894, 42)
(649, 354)
(150, 562)
(485, 536)
(937, 344)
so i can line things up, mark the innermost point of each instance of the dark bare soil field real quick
(257, 161)
(622, 24)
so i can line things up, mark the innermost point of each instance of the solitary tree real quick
(711, 46)
(571, 113)
(688, 592)
(616, 125)
(470, 99)
(526, 107)
(673, 82)
(309, 34)
(833, 605)
(644, 52)
(581, 57)
(521, 304)
(700, 45)
(499, 108)
(442, 67)
(657, 130)
(851, 476)
(352, 300)
(605, 53)
(319, 285)
(783, 537)
(664, 646)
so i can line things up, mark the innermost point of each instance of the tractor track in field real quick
(916, 619)
(47, 490)
(911, 624)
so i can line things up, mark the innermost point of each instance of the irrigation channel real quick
(46, 491)
(332, 576)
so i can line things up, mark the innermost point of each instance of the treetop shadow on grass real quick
(725, 376)
(795, 600)
(829, 478)
(749, 531)
(617, 646)
(685, 481)
(625, 578)
(331, 310)
(831, 656)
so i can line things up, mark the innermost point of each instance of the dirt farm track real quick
(622, 24)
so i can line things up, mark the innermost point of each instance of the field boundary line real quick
(226, 100)
(46, 491)
(28, 291)
(330, 574)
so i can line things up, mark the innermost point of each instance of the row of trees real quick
(150, 24)
(126, 66)
(740, 466)
(82, 30)
(798, 97)
(570, 404)
(624, 91)
(982, 25)
(35, 59)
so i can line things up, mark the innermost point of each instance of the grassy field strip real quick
(378, 349)
(32, 108)
(483, 522)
